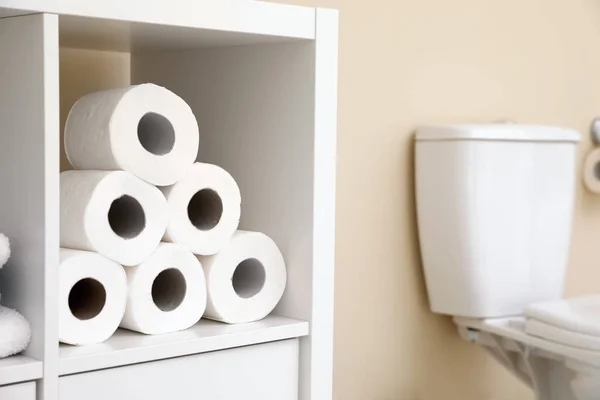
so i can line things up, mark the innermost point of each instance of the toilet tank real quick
(494, 208)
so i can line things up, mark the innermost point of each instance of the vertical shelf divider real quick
(316, 378)
(29, 154)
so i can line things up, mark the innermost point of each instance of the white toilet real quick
(494, 205)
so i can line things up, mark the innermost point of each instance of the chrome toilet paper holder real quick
(595, 131)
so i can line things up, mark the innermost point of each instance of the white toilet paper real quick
(167, 292)
(245, 280)
(111, 212)
(145, 129)
(91, 298)
(204, 209)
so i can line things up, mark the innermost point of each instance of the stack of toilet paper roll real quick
(149, 238)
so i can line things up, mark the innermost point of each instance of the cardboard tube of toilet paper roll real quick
(204, 209)
(111, 212)
(591, 171)
(245, 280)
(167, 292)
(146, 130)
(91, 298)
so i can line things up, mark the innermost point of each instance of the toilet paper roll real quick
(91, 298)
(146, 130)
(204, 209)
(167, 292)
(245, 280)
(111, 212)
(591, 171)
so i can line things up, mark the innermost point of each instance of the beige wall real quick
(407, 62)
(403, 63)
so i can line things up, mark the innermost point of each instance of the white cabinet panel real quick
(22, 391)
(261, 372)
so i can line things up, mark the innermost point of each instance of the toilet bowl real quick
(494, 210)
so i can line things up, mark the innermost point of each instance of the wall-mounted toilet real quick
(494, 206)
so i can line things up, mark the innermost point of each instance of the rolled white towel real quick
(15, 332)
(4, 250)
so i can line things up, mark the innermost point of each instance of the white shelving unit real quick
(19, 369)
(127, 347)
(262, 81)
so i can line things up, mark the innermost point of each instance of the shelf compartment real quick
(127, 347)
(17, 369)
(268, 146)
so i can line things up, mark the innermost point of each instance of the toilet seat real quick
(514, 329)
(563, 336)
(573, 322)
(579, 314)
